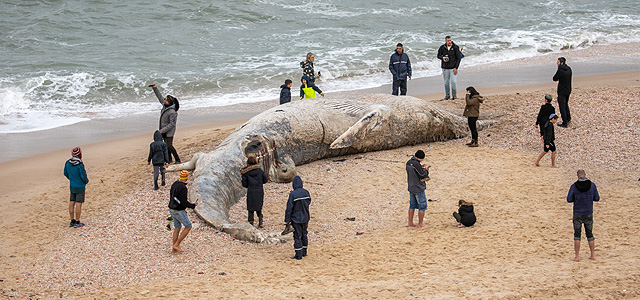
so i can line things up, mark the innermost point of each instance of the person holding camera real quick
(168, 120)
(449, 55)
(417, 174)
(307, 68)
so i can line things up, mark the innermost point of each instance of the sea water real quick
(70, 61)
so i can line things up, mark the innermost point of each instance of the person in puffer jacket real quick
(297, 214)
(75, 172)
(400, 67)
(465, 215)
(308, 89)
(582, 194)
(159, 155)
(168, 120)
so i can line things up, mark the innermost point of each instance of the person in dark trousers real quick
(307, 68)
(400, 67)
(308, 89)
(472, 112)
(417, 174)
(285, 92)
(582, 194)
(465, 215)
(253, 178)
(77, 175)
(168, 119)
(297, 214)
(549, 140)
(177, 204)
(563, 77)
(449, 55)
(545, 111)
(159, 155)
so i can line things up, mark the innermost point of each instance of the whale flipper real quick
(360, 129)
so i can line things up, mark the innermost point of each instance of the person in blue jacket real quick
(75, 172)
(308, 89)
(582, 194)
(400, 67)
(297, 214)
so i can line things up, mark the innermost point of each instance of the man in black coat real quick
(449, 55)
(563, 77)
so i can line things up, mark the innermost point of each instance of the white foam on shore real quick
(36, 121)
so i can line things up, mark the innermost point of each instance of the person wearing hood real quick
(465, 215)
(253, 178)
(297, 215)
(449, 55)
(582, 194)
(545, 111)
(308, 89)
(563, 77)
(168, 119)
(75, 172)
(307, 68)
(472, 112)
(285, 92)
(400, 67)
(159, 155)
(417, 174)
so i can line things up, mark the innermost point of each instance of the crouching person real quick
(465, 215)
(297, 214)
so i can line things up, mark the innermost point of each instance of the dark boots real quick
(260, 221)
(155, 185)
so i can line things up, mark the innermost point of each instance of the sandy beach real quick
(521, 247)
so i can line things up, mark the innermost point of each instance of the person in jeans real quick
(177, 205)
(417, 174)
(582, 194)
(449, 55)
(168, 120)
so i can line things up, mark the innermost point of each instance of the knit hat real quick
(76, 152)
(184, 175)
(420, 154)
(548, 98)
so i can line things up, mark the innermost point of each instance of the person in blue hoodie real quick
(75, 172)
(297, 214)
(285, 92)
(159, 154)
(582, 194)
(308, 89)
(400, 67)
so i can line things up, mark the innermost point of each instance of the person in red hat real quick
(75, 172)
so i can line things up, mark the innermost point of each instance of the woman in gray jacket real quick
(168, 119)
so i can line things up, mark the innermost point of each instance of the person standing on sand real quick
(285, 92)
(549, 139)
(563, 77)
(297, 214)
(582, 194)
(417, 174)
(168, 120)
(472, 112)
(159, 155)
(177, 205)
(449, 55)
(400, 67)
(307, 68)
(77, 175)
(543, 115)
(253, 178)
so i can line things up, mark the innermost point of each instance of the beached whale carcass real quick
(304, 131)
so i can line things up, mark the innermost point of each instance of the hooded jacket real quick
(467, 216)
(454, 56)
(548, 135)
(472, 108)
(298, 203)
(75, 172)
(158, 152)
(400, 66)
(178, 196)
(415, 172)
(583, 193)
(285, 94)
(563, 77)
(168, 115)
(307, 86)
(253, 178)
(543, 115)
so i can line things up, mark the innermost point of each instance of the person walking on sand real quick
(177, 205)
(297, 214)
(159, 155)
(449, 55)
(465, 215)
(307, 68)
(168, 120)
(77, 175)
(549, 140)
(563, 77)
(582, 194)
(472, 112)
(253, 178)
(400, 67)
(417, 174)
(543, 115)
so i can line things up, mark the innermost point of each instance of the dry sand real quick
(520, 248)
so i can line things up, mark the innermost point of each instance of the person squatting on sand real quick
(472, 112)
(307, 68)
(549, 140)
(465, 215)
(285, 92)
(543, 115)
(563, 77)
(417, 174)
(75, 172)
(450, 57)
(582, 194)
(308, 89)
(159, 155)
(253, 178)
(177, 204)
(168, 120)
(297, 214)
(400, 67)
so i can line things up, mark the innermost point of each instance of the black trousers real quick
(250, 217)
(172, 151)
(563, 104)
(399, 84)
(300, 241)
(472, 126)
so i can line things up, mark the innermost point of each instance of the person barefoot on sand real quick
(416, 177)
(549, 138)
(583, 193)
(177, 205)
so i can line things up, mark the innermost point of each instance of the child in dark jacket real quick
(253, 178)
(75, 172)
(285, 92)
(297, 214)
(465, 215)
(549, 138)
(159, 155)
(308, 89)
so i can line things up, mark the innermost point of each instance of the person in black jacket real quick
(159, 154)
(543, 115)
(177, 205)
(417, 174)
(297, 214)
(563, 77)
(549, 138)
(450, 56)
(285, 92)
(253, 178)
(465, 215)
(400, 67)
